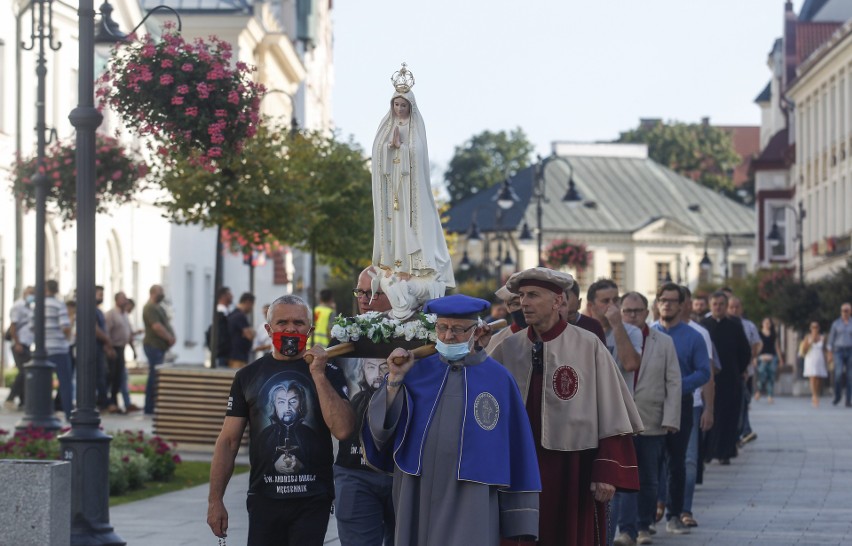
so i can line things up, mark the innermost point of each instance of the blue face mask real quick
(30, 299)
(454, 351)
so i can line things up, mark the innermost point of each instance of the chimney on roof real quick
(790, 60)
(705, 121)
(648, 123)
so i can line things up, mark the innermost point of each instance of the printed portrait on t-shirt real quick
(291, 433)
(363, 377)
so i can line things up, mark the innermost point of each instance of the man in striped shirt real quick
(57, 332)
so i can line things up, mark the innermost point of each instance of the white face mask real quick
(455, 351)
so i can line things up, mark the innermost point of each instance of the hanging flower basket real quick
(117, 176)
(563, 253)
(186, 95)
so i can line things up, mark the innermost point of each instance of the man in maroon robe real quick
(580, 410)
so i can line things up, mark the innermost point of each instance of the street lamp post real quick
(572, 197)
(39, 372)
(85, 445)
(706, 263)
(774, 236)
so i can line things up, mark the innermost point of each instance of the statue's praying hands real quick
(395, 142)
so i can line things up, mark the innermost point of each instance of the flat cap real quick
(555, 281)
(504, 294)
(457, 306)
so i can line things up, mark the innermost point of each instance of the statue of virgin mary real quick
(408, 240)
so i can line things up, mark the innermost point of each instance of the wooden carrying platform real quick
(191, 404)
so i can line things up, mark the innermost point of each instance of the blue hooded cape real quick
(500, 454)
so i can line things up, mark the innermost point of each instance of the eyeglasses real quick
(358, 293)
(664, 301)
(633, 311)
(456, 330)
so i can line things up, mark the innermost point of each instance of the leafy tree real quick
(306, 190)
(484, 160)
(330, 180)
(696, 150)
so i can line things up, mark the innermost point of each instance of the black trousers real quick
(676, 445)
(21, 358)
(289, 522)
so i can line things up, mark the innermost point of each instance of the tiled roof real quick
(809, 36)
(776, 154)
(627, 194)
(746, 141)
(810, 9)
(202, 6)
(765, 95)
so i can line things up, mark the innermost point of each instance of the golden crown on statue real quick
(403, 79)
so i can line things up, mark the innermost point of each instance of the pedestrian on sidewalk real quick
(120, 335)
(21, 335)
(57, 332)
(241, 332)
(292, 408)
(839, 345)
(813, 350)
(768, 359)
(695, 371)
(159, 336)
(658, 398)
(363, 502)
(734, 353)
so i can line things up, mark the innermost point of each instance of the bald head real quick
(735, 306)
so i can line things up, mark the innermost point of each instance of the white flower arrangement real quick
(379, 328)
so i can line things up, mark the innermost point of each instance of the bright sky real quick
(560, 69)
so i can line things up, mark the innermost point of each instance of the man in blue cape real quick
(453, 429)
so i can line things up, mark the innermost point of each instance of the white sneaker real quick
(623, 539)
(644, 538)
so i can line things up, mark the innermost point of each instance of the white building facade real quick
(136, 246)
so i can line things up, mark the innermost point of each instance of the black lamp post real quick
(706, 263)
(38, 410)
(774, 236)
(85, 445)
(572, 197)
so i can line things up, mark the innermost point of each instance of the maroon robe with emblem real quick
(569, 514)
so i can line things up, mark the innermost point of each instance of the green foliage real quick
(485, 160)
(247, 195)
(701, 152)
(134, 457)
(330, 182)
(778, 293)
(128, 470)
(162, 459)
(477, 287)
(306, 190)
(30, 443)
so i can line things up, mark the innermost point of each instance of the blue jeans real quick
(649, 453)
(622, 511)
(676, 445)
(766, 371)
(842, 363)
(62, 363)
(692, 461)
(363, 507)
(155, 358)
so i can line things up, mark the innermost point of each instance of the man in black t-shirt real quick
(363, 502)
(241, 332)
(292, 406)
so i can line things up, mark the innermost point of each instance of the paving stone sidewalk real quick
(793, 485)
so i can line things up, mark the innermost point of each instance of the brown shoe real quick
(688, 520)
(131, 408)
(112, 408)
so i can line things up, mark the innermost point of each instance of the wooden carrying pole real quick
(419, 352)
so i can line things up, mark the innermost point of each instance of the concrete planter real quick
(35, 507)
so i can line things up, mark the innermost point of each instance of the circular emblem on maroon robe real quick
(566, 382)
(486, 410)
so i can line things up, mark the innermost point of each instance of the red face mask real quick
(289, 344)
